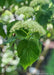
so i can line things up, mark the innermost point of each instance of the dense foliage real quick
(25, 20)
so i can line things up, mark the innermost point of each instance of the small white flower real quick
(11, 68)
(22, 3)
(29, 19)
(49, 26)
(33, 70)
(12, 20)
(2, 65)
(5, 28)
(3, 70)
(47, 43)
(20, 17)
(1, 40)
(4, 7)
(26, 2)
(15, 62)
(16, 7)
(33, 17)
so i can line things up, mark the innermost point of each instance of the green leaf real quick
(9, 2)
(19, 0)
(10, 40)
(49, 68)
(21, 34)
(36, 34)
(2, 33)
(44, 15)
(2, 2)
(28, 51)
(9, 26)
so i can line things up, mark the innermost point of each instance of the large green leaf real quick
(28, 51)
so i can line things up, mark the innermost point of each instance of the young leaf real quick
(20, 34)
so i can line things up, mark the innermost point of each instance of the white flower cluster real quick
(25, 10)
(7, 58)
(7, 16)
(35, 2)
(31, 25)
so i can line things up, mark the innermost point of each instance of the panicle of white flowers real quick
(7, 16)
(31, 25)
(35, 2)
(17, 26)
(25, 10)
